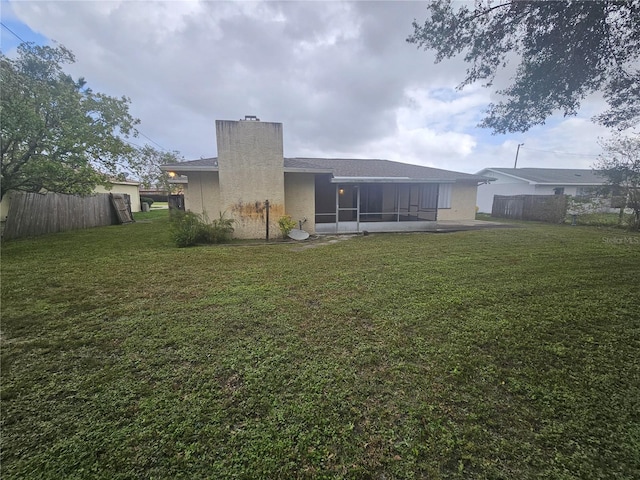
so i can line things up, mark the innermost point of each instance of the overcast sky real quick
(339, 76)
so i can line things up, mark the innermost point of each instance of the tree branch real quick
(489, 10)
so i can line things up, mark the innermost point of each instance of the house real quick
(536, 181)
(324, 195)
(128, 187)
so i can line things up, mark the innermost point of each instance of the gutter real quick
(188, 168)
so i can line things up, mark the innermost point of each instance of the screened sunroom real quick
(348, 204)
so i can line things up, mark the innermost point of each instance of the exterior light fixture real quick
(341, 191)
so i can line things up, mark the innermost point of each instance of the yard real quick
(507, 353)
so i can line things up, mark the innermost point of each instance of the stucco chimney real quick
(251, 170)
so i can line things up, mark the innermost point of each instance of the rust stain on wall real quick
(256, 210)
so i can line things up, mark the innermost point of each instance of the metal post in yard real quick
(266, 206)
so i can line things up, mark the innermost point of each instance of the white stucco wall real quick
(486, 192)
(463, 203)
(202, 195)
(299, 198)
(549, 189)
(251, 169)
(128, 188)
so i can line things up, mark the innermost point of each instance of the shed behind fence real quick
(32, 214)
(543, 208)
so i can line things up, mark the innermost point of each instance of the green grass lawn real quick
(501, 354)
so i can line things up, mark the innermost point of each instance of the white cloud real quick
(339, 76)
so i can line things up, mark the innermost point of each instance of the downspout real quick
(201, 197)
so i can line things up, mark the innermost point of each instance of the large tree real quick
(564, 50)
(57, 134)
(148, 164)
(620, 163)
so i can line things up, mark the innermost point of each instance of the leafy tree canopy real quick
(620, 164)
(567, 50)
(57, 134)
(148, 167)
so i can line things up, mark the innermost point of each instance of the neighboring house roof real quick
(124, 182)
(348, 170)
(549, 176)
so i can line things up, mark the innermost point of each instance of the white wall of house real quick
(299, 198)
(202, 194)
(463, 203)
(550, 189)
(507, 185)
(128, 188)
(487, 191)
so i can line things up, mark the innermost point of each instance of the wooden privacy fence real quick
(32, 214)
(543, 208)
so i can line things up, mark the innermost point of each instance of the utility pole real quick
(515, 165)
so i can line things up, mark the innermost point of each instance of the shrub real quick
(188, 229)
(146, 200)
(286, 224)
(222, 229)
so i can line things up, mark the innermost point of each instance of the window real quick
(444, 196)
(429, 197)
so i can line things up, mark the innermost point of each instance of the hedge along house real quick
(326, 195)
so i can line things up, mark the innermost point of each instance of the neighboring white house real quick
(536, 181)
(128, 187)
(327, 195)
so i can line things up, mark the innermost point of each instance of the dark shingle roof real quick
(345, 167)
(555, 176)
(194, 165)
(360, 167)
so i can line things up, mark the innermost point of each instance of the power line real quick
(12, 32)
(145, 136)
(130, 142)
(140, 146)
(152, 141)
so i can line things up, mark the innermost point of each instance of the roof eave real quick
(128, 183)
(187, 168)
(509, 175)
(570, 184)
(389, 180)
